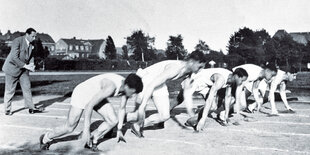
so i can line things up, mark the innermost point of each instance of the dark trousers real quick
(10, 88)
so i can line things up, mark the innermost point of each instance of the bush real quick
(95, 64)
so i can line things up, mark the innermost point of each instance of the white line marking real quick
(252, 130)
(168, 140)
(48, 116)
(153, 139)
(9, 147)
(25, 127)
(266, 148)
(276, 122)
(293, 115)
(301, 109)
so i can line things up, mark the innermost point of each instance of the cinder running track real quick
(285, 134)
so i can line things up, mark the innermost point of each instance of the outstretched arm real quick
(189, 89)
(240, 98)
(227, 101)
(219, 82)
(107, 89)
(283, 95)
(273, 88)
(121, 115)
(257, 97)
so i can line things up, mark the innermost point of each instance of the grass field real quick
(286, 134)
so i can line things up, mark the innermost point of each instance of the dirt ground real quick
(259, 134)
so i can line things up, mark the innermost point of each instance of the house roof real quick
(73, 41)
(95, 45)
(300, 37)
(45, 38)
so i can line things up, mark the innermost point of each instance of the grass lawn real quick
(64, 84)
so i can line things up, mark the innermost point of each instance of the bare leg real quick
(108, 114)
(72, 121)
(163, 106)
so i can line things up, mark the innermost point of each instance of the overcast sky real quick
(210, 20)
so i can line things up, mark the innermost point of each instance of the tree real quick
(125, 52)
(39, 51)
(4, 49)
(175, 48)
(284, 51)
(249, 45)
(203, 47)
(141, 44)
(288, 51)
(110, 49)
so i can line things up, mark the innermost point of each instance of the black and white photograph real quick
(150, 77)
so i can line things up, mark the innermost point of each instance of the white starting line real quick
(10, 147)
(266, 148)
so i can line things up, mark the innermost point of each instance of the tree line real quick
(244, 46)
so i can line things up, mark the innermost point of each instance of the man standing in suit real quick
(16, 68)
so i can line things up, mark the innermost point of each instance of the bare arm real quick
(122, 112)
(255, 90)
(189, 89)
(238, 97)
(283, 94)
(219, 82)
(273, 88)
(227, 101)
(170, 72)
(107, 89)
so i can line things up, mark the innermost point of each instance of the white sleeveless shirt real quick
(156, 69)
(253, 71)
(86, 90)
(202, 80)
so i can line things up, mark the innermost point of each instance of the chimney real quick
(74, 38)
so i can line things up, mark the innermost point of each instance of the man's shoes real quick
(191, 122)
(44, 146)
(36, 110)
(9, 113)
(247, 110)
(291, 111)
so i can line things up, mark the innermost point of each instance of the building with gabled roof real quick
(300, 37)
(46, 39)
(79, 48)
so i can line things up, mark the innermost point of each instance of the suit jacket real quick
(20, 55)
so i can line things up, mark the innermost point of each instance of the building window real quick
(86, 48)
(87, 55)
(52, 48)
(70, 48)
(82, 48)
(76, 47)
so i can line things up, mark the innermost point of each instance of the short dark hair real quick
(29, 30)
(197, 56)
(134, 81)
(271, 66)
(241, 72)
